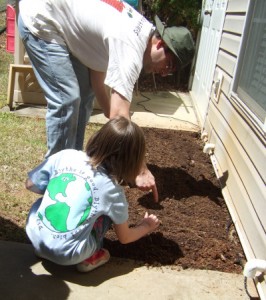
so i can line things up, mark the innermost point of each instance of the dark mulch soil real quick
(196, 229)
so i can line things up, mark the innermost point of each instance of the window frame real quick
(235, 98)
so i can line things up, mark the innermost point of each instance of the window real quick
(250, 86)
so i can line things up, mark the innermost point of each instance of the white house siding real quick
(239, 153)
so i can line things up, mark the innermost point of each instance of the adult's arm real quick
(116, 105)
(113, 104)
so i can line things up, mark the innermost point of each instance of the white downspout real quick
(209, 149)
(253, 267)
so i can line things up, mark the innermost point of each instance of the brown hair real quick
(119, 147)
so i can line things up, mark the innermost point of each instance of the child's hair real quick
(119, 147)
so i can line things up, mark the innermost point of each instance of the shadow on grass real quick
(11, 232)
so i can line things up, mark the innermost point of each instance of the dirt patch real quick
(196, 230)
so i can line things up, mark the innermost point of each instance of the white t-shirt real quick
(105, 35)
(75, 196)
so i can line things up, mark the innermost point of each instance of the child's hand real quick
(128, 235)
(150, 221)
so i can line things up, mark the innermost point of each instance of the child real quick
(83, 196)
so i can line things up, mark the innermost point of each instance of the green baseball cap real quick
(179, 40)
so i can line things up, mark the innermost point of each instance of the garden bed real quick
(196, 230)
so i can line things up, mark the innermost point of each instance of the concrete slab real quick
(24, 276)
(168, 110)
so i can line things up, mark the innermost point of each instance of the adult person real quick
(82, 197)
(78, 47)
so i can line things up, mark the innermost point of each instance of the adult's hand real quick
(145, 181)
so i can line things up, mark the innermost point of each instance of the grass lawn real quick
(23, 145)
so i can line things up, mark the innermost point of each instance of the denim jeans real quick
(65, 82)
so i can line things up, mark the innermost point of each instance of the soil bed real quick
(196, 230)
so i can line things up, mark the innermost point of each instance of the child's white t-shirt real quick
(105, 35)
(75, 196)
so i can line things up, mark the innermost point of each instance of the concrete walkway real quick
(23, 276)
(169, 110)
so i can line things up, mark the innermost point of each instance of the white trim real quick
(248, 115)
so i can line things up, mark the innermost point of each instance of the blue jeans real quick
(65, 82)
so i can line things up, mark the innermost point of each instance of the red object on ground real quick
(10, 28)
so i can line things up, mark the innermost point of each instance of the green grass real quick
(23, 146)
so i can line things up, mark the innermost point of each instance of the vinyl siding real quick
(239, 146)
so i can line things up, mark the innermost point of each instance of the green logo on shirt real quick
(67, 210)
